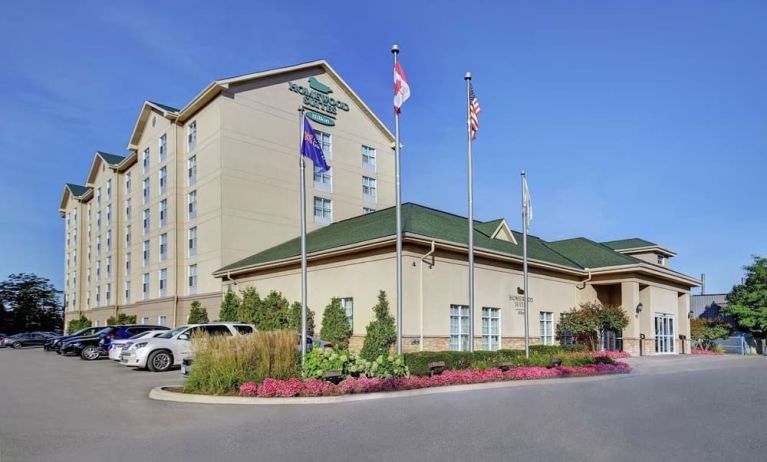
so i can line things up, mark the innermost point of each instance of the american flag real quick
(473, 112)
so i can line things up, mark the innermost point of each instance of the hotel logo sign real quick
(319, 96)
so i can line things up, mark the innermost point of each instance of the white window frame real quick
(347, 303)
(369, 158)
(147, 220)
(146, 253)
(162, 320)
(370, 189)
(323, 181)
(126, 293)
(491, 331)
(192, 279)
(145, 159)
(325, 208)
(460, 336)
(163, 246)
(146, 190)
(191, 204)
(325, 141)
(163, 206)
(162, 178)
(546, 327)
(191, 170)
(162, 277)
(145, 320)
(127, 183)
(191, 136)
(163, 147)
(191, 243)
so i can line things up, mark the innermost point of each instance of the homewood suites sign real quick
(317, 95)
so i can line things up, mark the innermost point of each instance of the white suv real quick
(161, 353)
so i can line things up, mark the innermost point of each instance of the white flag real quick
(527, 205)
(401, 87)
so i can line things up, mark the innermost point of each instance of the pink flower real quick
(249, 389)
(700, 351)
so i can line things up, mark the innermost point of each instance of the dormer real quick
(496, 229)
(647, 251)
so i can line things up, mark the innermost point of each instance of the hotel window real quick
(192, 204)
(108, 293)
(369, 188)
(192, 275)
(98, 295)
(145, 286)
(109, 189)
(127, 263)
(326, 142)
(323, 210)
(109, 267)
(145, 160)
(145, 320)
(88, 275)
(491, 328)
(96, 322)
(163, 179)
(191, 170)
(109, 214)
(192, 241)
(98, 245)
(127, 183)
(368, 158)
(546, 328)
(323, 181)
(163, 147)
(459, 328)
(661, 259)
(127, 292)
(145, 190)
(109, 240)
(191, 136)
(98, 197)
(98, 270)
(146, 220)
(163, 212)
(163, 282)
(163, 246)
(127, 209)
(98, 221)
(127, 235)
(348, 305)
(145, 254)
(366, 210)
(162, 320)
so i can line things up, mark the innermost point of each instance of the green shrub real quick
(121, 319)
(294, 319)
(381, 332)
(558, 349)
(335, 325)
(250, 304)
(76, 324)
(222, 364)
(272, 312)
(704, 332)
(197, 313)
(318, 361)
(585, 322)
(230, 307)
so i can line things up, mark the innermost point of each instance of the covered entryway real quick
(664, 333)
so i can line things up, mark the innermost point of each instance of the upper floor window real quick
(323, 181)
(192, 204)
(98, 197)
(192, 245)
(163, 147)
(98, 220)
(127, 183)
(145, 254)
(368, 158)
(661, 259)
(109, 189)
(127, 209)
(163, 246)
(369, 188)
(145, 285)
(163, 179)
(109, 214)
(163, 212)
(147, 220)
(192, 276)
(326, 142)
(191, 170)
(145, 160)
(191, 136)
(163, 282)
(323, 210)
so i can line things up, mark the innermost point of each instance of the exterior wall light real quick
(691, 315)
(639, 307)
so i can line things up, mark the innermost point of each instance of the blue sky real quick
(632, 119)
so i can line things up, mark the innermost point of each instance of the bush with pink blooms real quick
(294, 387)
(610, 354)
(702, 352)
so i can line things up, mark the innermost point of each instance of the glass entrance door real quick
(664, 333)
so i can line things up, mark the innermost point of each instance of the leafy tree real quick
(705, 331)
(250, 305)
(294, 318)
(121, 318)
(30, 302)
(230, 307)
(335, 325)
(381, 332)
(272, 313)
(197, 313)
(586, 322)
(77, 324)
(747, 302)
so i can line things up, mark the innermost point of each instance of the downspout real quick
(116, 241)
(179, 223)
(420, 294)
(229, 277)
(585, 281)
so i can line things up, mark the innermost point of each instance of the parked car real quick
(93, 347)
(116, 347)
(166, 351)
(34, 339)
(55, 342)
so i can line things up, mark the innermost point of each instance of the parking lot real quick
(678, 408)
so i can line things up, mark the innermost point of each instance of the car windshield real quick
(172, 333)
(139, 335)
(103, 331)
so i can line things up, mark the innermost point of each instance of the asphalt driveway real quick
(671, 408)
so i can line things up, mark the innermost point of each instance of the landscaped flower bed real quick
(610, 354)
(700, 351)
(294, 387)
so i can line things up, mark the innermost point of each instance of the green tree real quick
(250, 305)
(30, 303)
(197, 313)
(272, 313)
(335, 325)
(381, 332)
(295, 318)
(77, 324)
(230, 307)
(586, 322)
(705, 332)
(121, 319)
(747, 302)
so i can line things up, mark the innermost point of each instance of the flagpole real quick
(302, 174)
(467, 78)
(398, 198)
(525, 205)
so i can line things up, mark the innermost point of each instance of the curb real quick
(161, 394)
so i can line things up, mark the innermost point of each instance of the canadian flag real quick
(401, 87)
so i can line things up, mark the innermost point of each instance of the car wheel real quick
(159, 361)
(17, 345)
(90, 353)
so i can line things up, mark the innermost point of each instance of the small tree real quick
(381, 332)
(586, 322)
(272, 312)
(295, 318)
(121, 319)
(251, 303)
(230, 307)
(747, 302)
(704, 332)
(335, 325)
(197, 313)
(76, 324)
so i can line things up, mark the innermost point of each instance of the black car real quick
(54, 343)
(93, 347)
(34, 339)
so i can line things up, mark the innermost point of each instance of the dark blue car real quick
(94, 346)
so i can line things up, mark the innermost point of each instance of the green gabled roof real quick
(590, 254)
(416, 220)
(77, 190)
(625, 244)
(111, 159)
(164, 107)
(488, 228)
